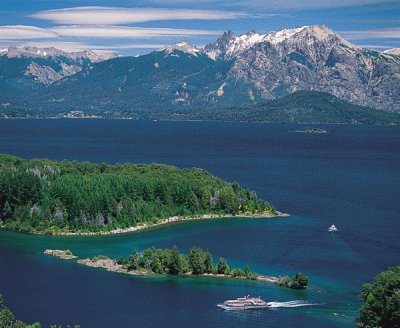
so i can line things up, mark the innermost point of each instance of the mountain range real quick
(248, 72)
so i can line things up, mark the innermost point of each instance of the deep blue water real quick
(349, 177)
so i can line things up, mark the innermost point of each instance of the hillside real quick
(234, 72)
(300, 107)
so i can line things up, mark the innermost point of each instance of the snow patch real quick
(251, 94)
(282, 35)
(394, 51)
(184, 47)
(237, 45)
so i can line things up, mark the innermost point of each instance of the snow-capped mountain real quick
(183, 47)
(35, 52)
(312, 58)
(394, 51)
(233, 71)
(229, 45)
(47, 65)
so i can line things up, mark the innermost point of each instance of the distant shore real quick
(163, 222)
(171, 220)
(112, 266)
(201, 120)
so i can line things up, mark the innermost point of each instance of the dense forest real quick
(381, 306)
(52, 197)
(171, 261)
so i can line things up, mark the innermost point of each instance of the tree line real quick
(48, 196)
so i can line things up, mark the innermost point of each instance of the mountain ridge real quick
(239, 71)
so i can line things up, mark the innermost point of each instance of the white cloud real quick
(117, 15)
(277, 4)
(126, 32)
(70, 46)
(386, 33)
(132, 46)
(76, 38)
(21, 32)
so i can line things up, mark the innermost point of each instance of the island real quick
(311, 130)
(197, 262)
(69, 197)
(62, 254)
(299, 281)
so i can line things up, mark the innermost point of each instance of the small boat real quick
(333, 228)
(244, 303)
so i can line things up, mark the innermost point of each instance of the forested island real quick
(170, 261)
(44, 196)
(299, 281)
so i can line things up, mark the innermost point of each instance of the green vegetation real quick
(381, 306)
(54, 197)
(171, 261)
(300, 107)
(7, 319)
(299, 281)
(99, 257)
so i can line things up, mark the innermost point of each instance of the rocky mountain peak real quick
(220, 47)
(36, 52)
(184, 47)
(394, 51)
(229, 45)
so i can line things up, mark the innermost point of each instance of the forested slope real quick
(48, 196)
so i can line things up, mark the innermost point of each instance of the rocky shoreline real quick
(62, 254)
(174, 219)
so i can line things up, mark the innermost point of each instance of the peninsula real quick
(69, 197)
(197, 262)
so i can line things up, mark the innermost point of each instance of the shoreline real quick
(187, 120)
(111, 265)
(175, 219)
(163, 222)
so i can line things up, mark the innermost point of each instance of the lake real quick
(348, 177)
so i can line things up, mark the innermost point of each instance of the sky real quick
(131, 27)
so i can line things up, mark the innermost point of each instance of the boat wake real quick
(290, 304)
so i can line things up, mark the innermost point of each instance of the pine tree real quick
(175, 264)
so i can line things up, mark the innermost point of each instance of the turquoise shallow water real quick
(348, 178)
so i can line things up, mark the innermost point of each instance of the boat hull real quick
(242, 308)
